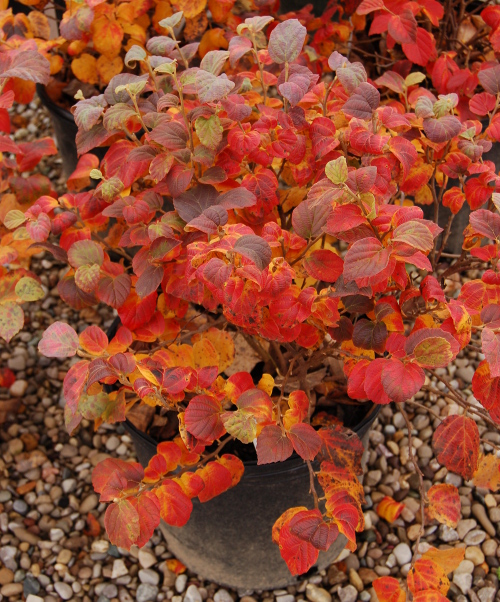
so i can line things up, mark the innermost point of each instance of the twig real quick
(312, 487)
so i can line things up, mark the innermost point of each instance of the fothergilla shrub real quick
(273, 191)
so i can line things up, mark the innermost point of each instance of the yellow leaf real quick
(266, 384)
(448, 560)
(205, 354)
(223, 344)
(85, 68)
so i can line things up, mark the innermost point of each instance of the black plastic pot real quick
(228, 539)
(65, 130)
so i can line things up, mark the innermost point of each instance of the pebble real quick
(112, 443)
(180, 583)
(475, 554)
(447, 534)
(149, 576)
(89, 503)
(479, 511)
(33, 598)
(146, 593)
(119, 569)
(69, 485)
(147, 558)
(462, 577)
(464, 526)
(475, 537)
(6, 576)
(403, 554)
(348, 593)
(7, 555)
(30, 585)
(64, 590)
(317, 594)
(192, 594)
(222, 595)
(486, 594)
(11, 589)
(355, 579)
(18, 388)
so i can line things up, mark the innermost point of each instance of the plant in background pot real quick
(21, 67)
(268, 200)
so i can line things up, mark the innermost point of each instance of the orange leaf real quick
(107, 35)
(487, 475)
(388, 589)
(175, 566)
(448, 560)
(429, 595)
(389, 509)
(94, 527)
(85, 68)
(175, 506)
(444, 504)
(190, 8)
(456, 443)
(108, 68)
(427, 574)
(213, 39)
(217, 479)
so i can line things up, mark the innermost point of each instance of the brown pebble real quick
(6, 576)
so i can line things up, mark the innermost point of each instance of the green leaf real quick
(209, 131)
(336, 171)
(28, 289)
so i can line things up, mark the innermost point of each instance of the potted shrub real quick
(267, 196)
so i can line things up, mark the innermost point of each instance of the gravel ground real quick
(50, 516)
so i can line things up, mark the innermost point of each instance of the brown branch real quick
(312, 487)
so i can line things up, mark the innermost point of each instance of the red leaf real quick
(423, 50)
(310, 526)
(121, 522)
(389, 590)
(366, 261)
(482, 104)
(487, 390)
(405, 152)
(346, 518)
(273, 445)
(324, 265)
(298, 554)
(403, 27)
(456, 443)
(148, 509)
(217, 479)
(402, 381)
(112, 476)
(203, 418)
(491, 350)
(305, 440)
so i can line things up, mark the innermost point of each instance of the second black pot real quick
(65, 131)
